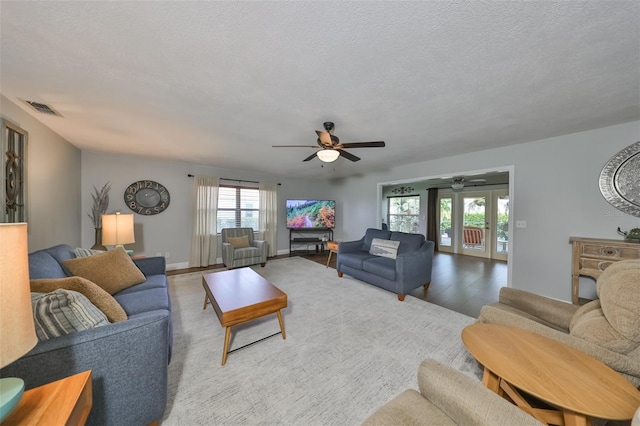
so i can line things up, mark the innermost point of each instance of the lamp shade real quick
(328, 155)
(117, 229)
(17, 330)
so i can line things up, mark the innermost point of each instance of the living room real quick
(553, 170)
(62, 178)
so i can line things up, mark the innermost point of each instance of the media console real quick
(302, 239)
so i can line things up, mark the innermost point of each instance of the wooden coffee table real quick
(581, 386)
(239, 296)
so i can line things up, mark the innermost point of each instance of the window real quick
(404, 213)
(238, 207)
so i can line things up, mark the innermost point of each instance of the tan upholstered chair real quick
(607, 328)
(239, 248)
(448, 397)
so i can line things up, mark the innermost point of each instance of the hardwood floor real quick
(461, 283)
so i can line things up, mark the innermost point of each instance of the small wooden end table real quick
(242, 295)
(332, 246)
(581, 386)
(64, 402)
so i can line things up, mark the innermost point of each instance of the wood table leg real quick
(329, 259)
(572, 418)
(206, 299)
(227, 333)
(284, 334)
(491, 381)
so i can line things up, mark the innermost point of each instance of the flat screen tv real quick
(311, 214)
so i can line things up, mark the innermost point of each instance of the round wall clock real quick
(147, 197)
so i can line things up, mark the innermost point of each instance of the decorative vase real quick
(98, 241)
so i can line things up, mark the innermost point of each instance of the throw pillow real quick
(112, 270)
(239, 242)
(384, 248)
(96, 295)
(83, 252)
(64, 312)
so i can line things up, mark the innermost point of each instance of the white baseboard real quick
(185, 265)
(174, 266)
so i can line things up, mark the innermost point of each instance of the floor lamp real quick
(17, 330)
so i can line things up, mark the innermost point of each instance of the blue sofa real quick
(409, 270)
(128, 359)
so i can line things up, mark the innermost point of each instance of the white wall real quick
(53, 182)
(555, 189)
(170, 231)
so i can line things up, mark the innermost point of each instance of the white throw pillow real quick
(384, 248)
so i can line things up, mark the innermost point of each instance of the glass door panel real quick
(501, 224)
(475, 222)
(445, 224)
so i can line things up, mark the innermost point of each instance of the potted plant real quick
(632, 235)
(100, 204)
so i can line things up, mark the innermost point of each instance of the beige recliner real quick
(448, 397)
(607, 328)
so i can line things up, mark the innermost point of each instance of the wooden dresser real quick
(591, 256)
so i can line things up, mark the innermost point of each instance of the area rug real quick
(350, 348)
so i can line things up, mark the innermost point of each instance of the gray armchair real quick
(239, 248)
(448, 397)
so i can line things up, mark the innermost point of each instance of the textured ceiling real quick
(218, 83)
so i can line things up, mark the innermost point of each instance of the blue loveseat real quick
(128, 359)
(409, 270)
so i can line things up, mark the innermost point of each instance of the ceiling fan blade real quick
(311, 157)
(348, 156)
(325, 138)
(294, 146)
(376, 144)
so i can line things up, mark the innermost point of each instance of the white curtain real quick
(269, 215)
(203, 240)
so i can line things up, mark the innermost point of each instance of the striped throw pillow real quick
(84, 252)
(64, 312)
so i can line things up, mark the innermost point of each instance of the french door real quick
(474, 223)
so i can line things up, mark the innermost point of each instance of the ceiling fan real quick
(331, 147)
(457, 182)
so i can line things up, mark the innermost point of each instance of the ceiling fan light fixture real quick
(328, 155)
(457, 183)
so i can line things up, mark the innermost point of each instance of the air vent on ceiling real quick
(45, 109)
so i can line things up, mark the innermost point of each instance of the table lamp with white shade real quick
(17, 330)
(117, 229)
